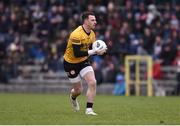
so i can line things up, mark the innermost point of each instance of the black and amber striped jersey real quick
(78, 37)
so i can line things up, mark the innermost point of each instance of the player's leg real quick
(88, 74)
(91, 81)
(76, 89)
(75, 92)
(75, 79)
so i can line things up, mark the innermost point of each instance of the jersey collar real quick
(85, 31)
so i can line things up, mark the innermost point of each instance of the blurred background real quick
(34, 33)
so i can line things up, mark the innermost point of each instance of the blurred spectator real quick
(109, 71)
(119, 86)
(177, 63)
(157, 47)
(168, 54)
(177, 90)
(54, 64)
(152, 14)
(148, 40)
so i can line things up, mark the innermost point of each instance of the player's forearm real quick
(81, 54)
(78, 52)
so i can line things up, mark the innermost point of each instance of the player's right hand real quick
(101, 51)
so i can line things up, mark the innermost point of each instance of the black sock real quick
(73, 98)
(89, 105)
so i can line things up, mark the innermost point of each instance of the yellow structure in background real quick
(137, 80)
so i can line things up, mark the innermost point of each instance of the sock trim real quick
(89, 105)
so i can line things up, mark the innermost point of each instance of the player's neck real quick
(86, 28)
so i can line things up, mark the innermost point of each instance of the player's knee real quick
(92, 83)
(78, 90)
(81, 90)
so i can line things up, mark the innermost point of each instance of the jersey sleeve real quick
(76, 44)
(75, 39)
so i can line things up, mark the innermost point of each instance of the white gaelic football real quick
(99, 45)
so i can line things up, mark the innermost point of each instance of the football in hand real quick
(100, 47)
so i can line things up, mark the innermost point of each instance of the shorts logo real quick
(72, 72)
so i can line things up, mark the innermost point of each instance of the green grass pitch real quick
(51, 109)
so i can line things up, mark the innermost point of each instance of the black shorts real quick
(73, 69)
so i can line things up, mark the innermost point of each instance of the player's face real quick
(91, 21)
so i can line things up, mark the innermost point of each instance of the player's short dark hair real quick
(86, 14)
